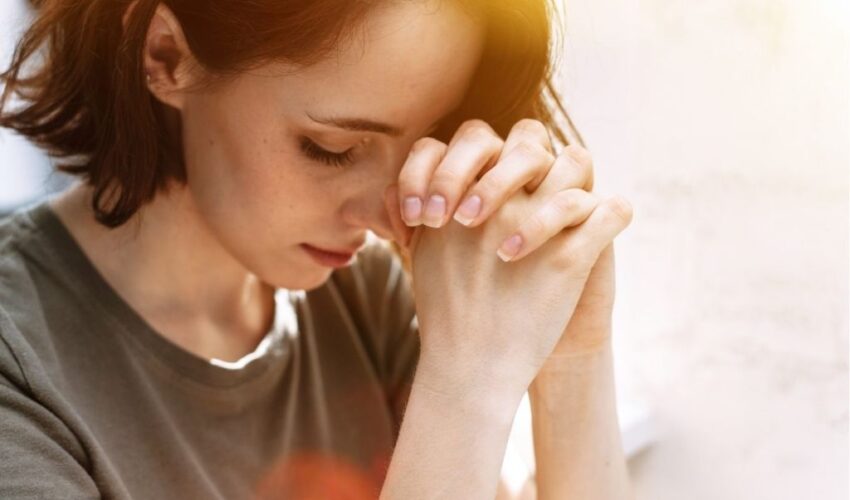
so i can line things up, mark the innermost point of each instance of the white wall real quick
(24, 169)
(726, 124)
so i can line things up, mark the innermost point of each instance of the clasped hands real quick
(478, 174)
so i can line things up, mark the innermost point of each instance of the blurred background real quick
(25, 172)
(726, 123)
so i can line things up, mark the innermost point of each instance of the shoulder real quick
(23, 247)
(10, 366)
(23, 324)
(17, 230)
(21, 239)
(36, 442)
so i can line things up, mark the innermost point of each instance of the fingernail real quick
(468, 210)
(412, 210)
(510, 247)
(435, 210)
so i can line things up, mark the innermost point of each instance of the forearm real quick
(452, 442)
(576, 435)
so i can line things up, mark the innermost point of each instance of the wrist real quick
(577, 363)
(580, 339)
(495, 391)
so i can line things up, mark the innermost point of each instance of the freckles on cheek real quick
(255, 170)
(275, 185)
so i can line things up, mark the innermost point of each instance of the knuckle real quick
(574, 255)
(406, 183)
(546, 156)
(477, 135)
(446, 179)
(564, 257)
(492, 184)
(476, 129)
(583, 166)
(410, 179)
(533, 152)
(474, 123)
(535, 225)
(534, 131)
(565, 201)
(530, 125)
(619, 209)
(580, 155)
(484, 142)
(493, 143)
(414, 172)
(427, 143)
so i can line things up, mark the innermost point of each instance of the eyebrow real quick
(360, 125)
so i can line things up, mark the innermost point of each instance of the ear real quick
(167, 58)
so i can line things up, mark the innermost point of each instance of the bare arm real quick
(577, 444)
(452, 442)
(453, 437)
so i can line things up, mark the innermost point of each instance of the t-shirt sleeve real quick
(39, 456)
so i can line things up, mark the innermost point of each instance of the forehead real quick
(410, 62)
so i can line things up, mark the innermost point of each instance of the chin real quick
(316, 283)
(300, 278)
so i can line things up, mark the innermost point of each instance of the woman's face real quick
(253, 148)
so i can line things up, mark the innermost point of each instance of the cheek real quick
(234, 170)
(260, 195)
(258, 204)
(252, 192)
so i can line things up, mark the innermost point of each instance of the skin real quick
(254, 197)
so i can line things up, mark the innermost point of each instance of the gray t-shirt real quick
(95, 403)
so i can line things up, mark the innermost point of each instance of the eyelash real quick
(313, 151)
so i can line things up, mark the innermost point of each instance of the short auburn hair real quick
(87, 104)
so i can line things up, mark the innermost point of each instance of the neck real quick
(167, 264)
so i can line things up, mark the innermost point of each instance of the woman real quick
(199, 316)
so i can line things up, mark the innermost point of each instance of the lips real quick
(342, 252)
(332, 253)
(333, 257)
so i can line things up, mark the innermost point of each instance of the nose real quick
(376, 209)
(373, 204)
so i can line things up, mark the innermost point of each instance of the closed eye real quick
(316, 152)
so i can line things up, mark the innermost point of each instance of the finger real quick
(572, 169)
(525, 162)
(474, 148)
(415, 175)
(532, 131)
(562, 210)
(607, 220)
(401, 232)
